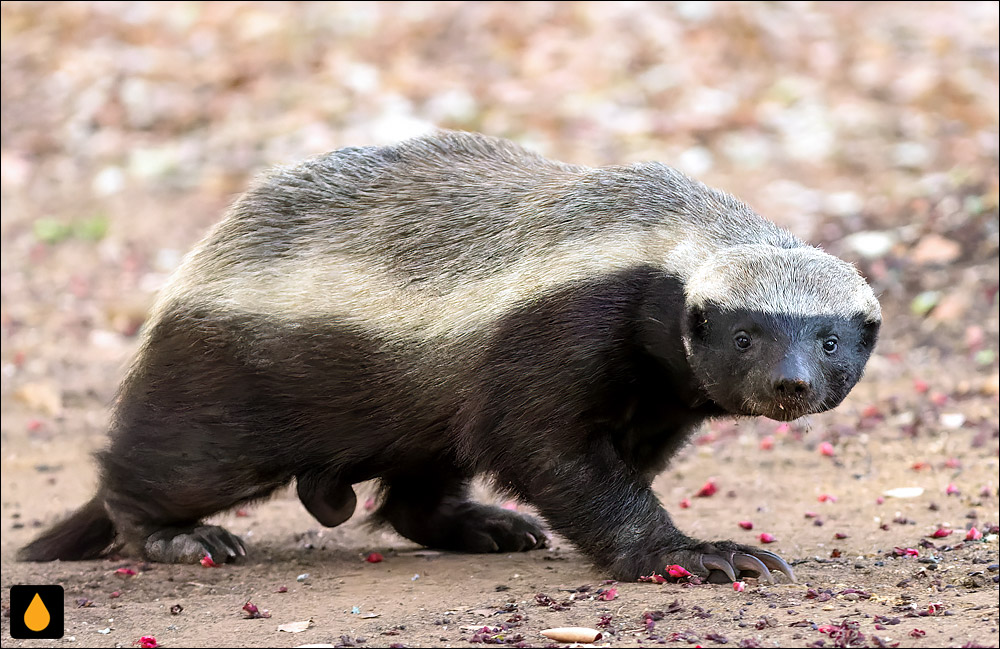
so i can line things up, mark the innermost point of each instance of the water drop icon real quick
(37, 616)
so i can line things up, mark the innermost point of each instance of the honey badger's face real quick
(778, 332)
(776, 365)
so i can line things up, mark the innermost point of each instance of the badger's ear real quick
(696, 323)
(869, 334)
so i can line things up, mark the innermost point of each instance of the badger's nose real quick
(795, 388)
(791, 379)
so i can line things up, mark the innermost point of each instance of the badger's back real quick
(435, 237)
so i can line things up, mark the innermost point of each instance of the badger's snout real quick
(792, 381)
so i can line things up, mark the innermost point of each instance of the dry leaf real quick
(295, 627)
(952, 308)
(41, 397)
(936, 250)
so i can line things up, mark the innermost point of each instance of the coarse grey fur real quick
(455, 305)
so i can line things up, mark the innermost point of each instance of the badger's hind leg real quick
(165, 533)
(160, 518)
(433, 509)
(198, 428)
(330, 500)
(167, 527)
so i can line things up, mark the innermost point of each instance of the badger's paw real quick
(466, 526)
(725, 561)
(192, 544)
(483, 528)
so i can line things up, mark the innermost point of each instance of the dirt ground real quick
(870, 129)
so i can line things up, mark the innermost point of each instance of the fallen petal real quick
(677, 572)
(708, 489)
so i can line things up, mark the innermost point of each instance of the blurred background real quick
(128, 127)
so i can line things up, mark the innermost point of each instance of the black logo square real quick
(37, 612)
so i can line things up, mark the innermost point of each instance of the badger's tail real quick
(87, 534)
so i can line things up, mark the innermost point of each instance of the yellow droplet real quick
(37, 616)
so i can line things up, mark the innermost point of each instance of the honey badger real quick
(456, 305)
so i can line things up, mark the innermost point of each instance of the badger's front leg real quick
(607, 509)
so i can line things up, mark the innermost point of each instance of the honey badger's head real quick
(778, 332)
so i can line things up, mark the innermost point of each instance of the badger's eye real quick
(830, 345)
(742, 340)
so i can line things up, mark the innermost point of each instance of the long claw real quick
(753, 564)
(774, 562)
(715, 562)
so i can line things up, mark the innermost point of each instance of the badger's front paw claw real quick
(750, 563)
(727, 561)
(774, 562)
(710, 562)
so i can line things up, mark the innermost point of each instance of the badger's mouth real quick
(757, 406)
(781, 413)
(781, 409)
